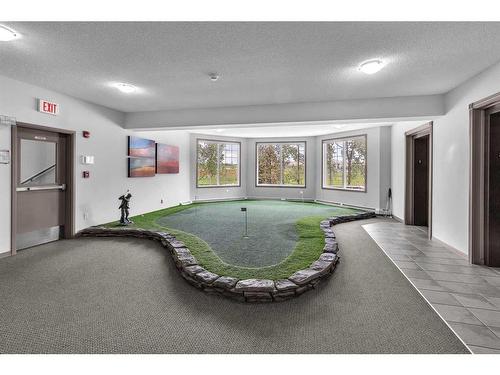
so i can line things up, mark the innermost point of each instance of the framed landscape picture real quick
(140, 147)
(141, 167)
(167, 158)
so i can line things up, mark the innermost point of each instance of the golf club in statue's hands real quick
(124, 207)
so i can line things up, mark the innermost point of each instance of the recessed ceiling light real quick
(7, 34)
(125, 88)
(371, 66)
(339, 126)
(219, 130)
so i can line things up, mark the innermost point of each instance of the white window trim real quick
(218, 143)
(304, 143)
(323, 164)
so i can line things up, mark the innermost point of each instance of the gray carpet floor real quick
(271, 228)
(125, 296)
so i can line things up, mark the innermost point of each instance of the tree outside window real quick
(344, 163)
(218, 163)
(281, 164)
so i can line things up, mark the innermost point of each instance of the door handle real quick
(38, 188)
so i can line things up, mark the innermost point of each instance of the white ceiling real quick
(288, 130)
(259, 63)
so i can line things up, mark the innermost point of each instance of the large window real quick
(344, 163)
(281, 164)
(218, 163)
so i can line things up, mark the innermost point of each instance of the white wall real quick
(223, 192)
(451, 158)
(96, 196)
(378, 175)
(450, 212)
(254, 191)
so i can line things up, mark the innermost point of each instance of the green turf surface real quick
(283, 236)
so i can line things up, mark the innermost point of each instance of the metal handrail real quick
(39, 174)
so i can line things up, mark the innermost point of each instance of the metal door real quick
(40, 186)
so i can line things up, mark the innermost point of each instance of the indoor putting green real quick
(283, 236)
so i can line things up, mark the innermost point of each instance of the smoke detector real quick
(214, 76)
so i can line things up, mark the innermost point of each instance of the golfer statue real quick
(124, 207)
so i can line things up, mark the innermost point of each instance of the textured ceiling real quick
(259, 63)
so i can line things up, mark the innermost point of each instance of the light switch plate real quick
(87, 159)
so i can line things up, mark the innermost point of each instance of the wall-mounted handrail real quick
(38, 175)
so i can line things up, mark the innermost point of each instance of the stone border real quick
(248, 290)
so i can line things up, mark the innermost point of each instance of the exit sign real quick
(48, 107)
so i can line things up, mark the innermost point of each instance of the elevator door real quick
(40, 187)
(421, 181)
(493, 253)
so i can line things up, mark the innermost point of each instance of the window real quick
(281, 164)
(217, 163)
(344, 163)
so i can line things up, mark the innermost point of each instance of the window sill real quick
(282, 186)
(216, 186)
(343, 189)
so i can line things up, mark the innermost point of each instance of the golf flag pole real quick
(244, 209)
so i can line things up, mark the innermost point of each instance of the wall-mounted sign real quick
(48, 107)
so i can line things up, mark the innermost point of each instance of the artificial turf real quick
(283, 236)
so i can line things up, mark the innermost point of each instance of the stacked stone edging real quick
(248, 290)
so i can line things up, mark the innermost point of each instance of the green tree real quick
(208, 159)
(355, 160)
(269, 164)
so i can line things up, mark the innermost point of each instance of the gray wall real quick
(378, 170)
(385, 164)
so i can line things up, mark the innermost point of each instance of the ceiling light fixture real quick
(7, 34)
(125, 88)
(371, 66)
(214, 76)
(219, 130)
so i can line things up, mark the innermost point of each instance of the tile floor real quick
(466, 296)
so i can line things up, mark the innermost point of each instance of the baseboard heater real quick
(217, 200)
(346, 205)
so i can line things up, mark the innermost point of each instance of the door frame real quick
(411, 135)
(479, 116)
(69, 219)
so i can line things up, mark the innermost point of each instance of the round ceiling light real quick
(7, 34)
(214, 76)
(126, 88)
(371, 66)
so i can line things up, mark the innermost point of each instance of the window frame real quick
(218, 142)
(280, 185)
(323, 174)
